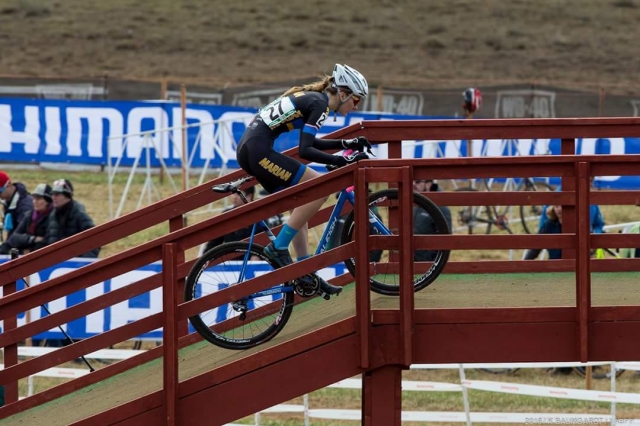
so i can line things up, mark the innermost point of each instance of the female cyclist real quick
(306, 108)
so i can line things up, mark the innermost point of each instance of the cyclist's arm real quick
(310, 146)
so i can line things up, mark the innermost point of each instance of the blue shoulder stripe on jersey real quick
(308, 128)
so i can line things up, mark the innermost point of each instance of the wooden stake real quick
(183, 107)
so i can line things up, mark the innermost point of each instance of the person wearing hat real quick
(68, 217)
(31, 232)
(16, 201)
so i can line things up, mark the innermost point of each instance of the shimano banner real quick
(87, 132)
(90, 132)
(121, 313)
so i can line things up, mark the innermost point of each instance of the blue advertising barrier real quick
(86, 132)
(121, 313)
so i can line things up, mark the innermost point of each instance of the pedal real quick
(325, 296)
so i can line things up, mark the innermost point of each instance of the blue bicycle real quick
(259, 317)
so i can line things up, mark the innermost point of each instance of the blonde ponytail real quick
(318, 86)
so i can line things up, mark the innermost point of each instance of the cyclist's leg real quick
(276, 171)
(299, 220)
(300, 217)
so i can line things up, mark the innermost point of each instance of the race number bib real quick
(277, 112)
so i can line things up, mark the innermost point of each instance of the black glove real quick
(341, 161)
(356, 144)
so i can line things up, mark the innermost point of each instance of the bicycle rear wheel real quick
(533, 212)
(474, 216)
(243, 323)
(385, 277)
(598, 371)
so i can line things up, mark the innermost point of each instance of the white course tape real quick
(628, 365)
(507, 366)
(406, 385)
(444, 416)
(285, 408)
(61, 373)
(552, 392)
(101, 354)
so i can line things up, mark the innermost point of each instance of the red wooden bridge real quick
(588, 310)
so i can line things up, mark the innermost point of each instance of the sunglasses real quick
(3, 187)
(356, 100)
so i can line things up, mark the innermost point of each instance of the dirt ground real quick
(402, 43)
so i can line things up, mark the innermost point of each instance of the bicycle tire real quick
(266, 315)
(380, 283)
(598, 372)
(499, 370)
(536, 211)
(469, 216)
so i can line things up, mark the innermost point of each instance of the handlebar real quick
(348, 152)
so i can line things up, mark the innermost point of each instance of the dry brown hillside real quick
(409, 43)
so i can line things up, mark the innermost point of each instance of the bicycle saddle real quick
(230, 186)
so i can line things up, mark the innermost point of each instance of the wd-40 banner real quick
(91, 133)
(124, 312)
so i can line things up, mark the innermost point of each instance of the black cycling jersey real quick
(306, 111)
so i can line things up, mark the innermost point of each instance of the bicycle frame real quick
(346, 195)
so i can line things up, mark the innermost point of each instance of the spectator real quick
(595, 215)
(68, 217)
(423, 224)
(553, 225)
(31, 232)
(16, 201)
(242, 233)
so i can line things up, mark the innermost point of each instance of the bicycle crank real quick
(306, 286)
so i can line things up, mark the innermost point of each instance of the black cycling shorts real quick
(274, 171)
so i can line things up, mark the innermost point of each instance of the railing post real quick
(382, 396)
(175, 224)
(394, 150)
(583, 259)
(170, 332)
(11, 351)
(567, 147)
(405, 195)
(363, 303)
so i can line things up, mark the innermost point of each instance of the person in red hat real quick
(30, 233)
(16, 201)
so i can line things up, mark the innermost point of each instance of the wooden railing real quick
(575, 240)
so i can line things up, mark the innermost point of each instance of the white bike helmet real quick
(345, 76)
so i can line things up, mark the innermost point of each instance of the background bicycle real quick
(597, 371)
(487, 218)
(243, 321)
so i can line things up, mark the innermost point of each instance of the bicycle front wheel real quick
(385, 274)
(246, 322)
